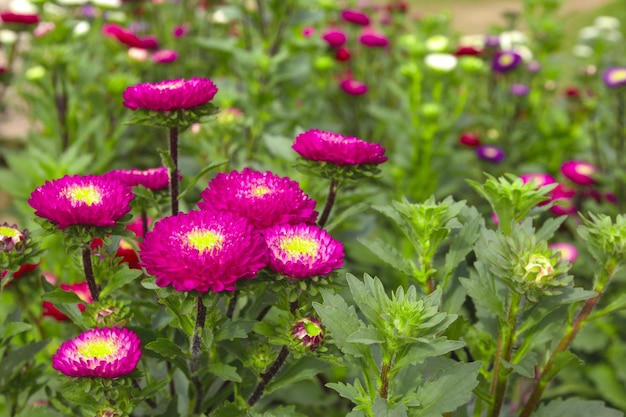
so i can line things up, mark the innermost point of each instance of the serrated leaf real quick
(561, 361)
(122, 277)
(14, 328)
(389, 255)
(354, 392)
(166, 348)
(482, 287)
(59, 296)
(16, 358)
(447, 389)
(382, 408)
(226, 372)
(304, 369)
(367, 336)
(419, 352)
(549, 227)
(462, 244)
(525, 367)
(576, 407)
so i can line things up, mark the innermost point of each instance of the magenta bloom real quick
(181, 30)
(302, 251)
(19, 18)
(164, 56)
(82, 200)
(505, 61)
(99, 353)
(356, 17)
(490, 153)
(520, 90)
(614, 77)
(568, 251)
(579, 172)
(169, 95)
(564, 197)
(128, 37)
(353, 87)
(203, 251)
(373, 39)
(334, 37)
(264, 198)
(469, 139)
(153, 178)
(538, 179)
(332, 147)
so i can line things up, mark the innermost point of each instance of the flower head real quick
(169, 95)
(539, 179)
(342, 54)
(334, 37)
(373, 39)
(308, 332)
(264, 198)
(568, 251)
(81, 200)
(520, 90)
(614, 77)
(505, 61)
(490, 153)
(99, 353)
(11, 237)
(19, 18)
(152, 178)
(441, 62)
(469, 139)
(128, 37)
(164, 56)
(203, 251)
(353, 87)
(302, 251)
(356, 17)
(579, 172)
(332, 147)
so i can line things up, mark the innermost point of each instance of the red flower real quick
(19, 18)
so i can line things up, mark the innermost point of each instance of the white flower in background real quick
(613, 36)
(219, 17)
(512, 38)
(81, 28)
(116, 16)
(22, 6)
(524, 51)
(582, 51)
(607, 23)
(437, 43)
(441, 62)
(138, 54)
(54, 10)
(588, 33)
(107, 3)
(477, 41)
(7, 36)
(72, 2)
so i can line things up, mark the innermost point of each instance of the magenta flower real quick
(82, 200)
(579, 172)
(490, 153)
(563, 196)
(169, 95)
(19, 18)
(568, 251)
(332, 147)
(203, 251)
(469, 139)
(356, 17)
(353, 87)
(99, 353)
(128, 37)
(181, 30)
(264, 198)
(538, 179)
(373, 39)
(334, 37)
(614, 77)
(164, 56)
(519, 90)
(153, 178)
(308, 332)
(302, 251)
(505, 61)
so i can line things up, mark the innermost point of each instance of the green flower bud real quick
(35, 73)
(323, 63)
(471, 64)
(409, 69)
(430, 111)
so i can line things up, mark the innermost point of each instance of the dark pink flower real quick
(342, 54)
(169, 95)
(264, 198)
(203, 251)
(332, 147)
(308, 31)
(373, 39)
(356, 17)
(302, 251)
(353, 87)
(334, 37)
(82, 200)
(81, 289)
(19, 18)
(152, 178)
(579, 172)
(164, 56)
(568, 251)
(469, 139)
(181, 30)
(99, 353)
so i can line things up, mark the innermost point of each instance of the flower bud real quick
(309, 332)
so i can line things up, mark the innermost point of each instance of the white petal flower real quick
(437, 43)
(441, 62)
(582, 51)
(607, 22)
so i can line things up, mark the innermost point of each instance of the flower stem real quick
(174, 170)
(332, 193)
(267, 376)
(232, 302)
(144, 224)
(384, 377)
(91, 281)
(196, 351)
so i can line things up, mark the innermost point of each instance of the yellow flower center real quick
(260, 190)
(490, 152)
(170, 86)
(87, 194)
(9, 232)
(505, 60)
(584, 169)
(296, 246)
(98, 348)
(617, 76)
(205, 240)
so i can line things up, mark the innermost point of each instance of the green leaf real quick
(608, 385)
(367, 336)
(561, 361)
(482, 287)
(238, 329)
(166, 348)
(617, 304)
(576, 407)
(348, 213)
(14, 328)
(549, 227)
(16, 358)
(304, 369)
(447, 389)
(389, 255)
(122, 277)
(355, 392)
(226, 372)
(58, 296)
(202, 173)
(280, 411)
(382, 408)
(462, 243)
(419, 352)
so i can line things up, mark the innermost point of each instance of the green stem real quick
(174, 171)
(332, 193)
(91, 281)
(267, 376)
(196, 351)
(384, 378)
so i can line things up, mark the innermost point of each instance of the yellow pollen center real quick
(260, 191)
(8, 232)
(505, 60)
(617, 76)
(491, 153)
(88, 194)
(584, 169)
(205, 240)
(296, 246)
(98, 348)
(170, 86)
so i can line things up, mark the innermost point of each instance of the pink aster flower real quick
(99, 353)
(539, 179)
(568, 251)
(82, 200)
(356, 17)
(614, 77)
(169, 95)
(334, 37)
(19, 18)
(203, 251)
(264, 198)
(373, 39)
(579, 172)
(152, 178)
(332, 147)
(505, 61)
(164, 56)
(353, 87)
(302, 251)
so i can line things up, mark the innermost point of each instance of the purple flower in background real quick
(519, 90)
(164, 56)
(505, 61)
(614, 77)
(490, 153)
(356, 17)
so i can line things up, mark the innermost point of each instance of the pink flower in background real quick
(302, 251)
(129, 38)
(356, 17)
(164, 56)
(579, 172)
(152, 178)
(308, 31)
(564, 197)
(353, 87)
(490, 153)
(370, 38)
(180, 30)
(614, 77)
(19, 18)
(539, 179)
(332, 147)
(81, 289)
(264, 198)
(342, 54)
(203, 251)
(469, 139)
(82, 200)
(334, 37)
(168, 95)
(99, 353)
(568, 251)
